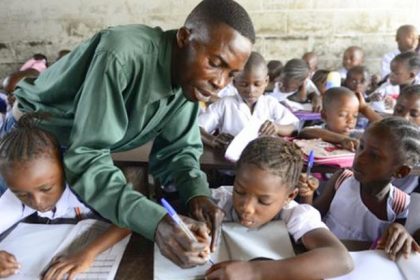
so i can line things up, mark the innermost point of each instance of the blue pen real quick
(311, 159)
(177, 219)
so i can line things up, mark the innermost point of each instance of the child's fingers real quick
(8, 271)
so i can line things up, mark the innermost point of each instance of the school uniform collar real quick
(66, 201)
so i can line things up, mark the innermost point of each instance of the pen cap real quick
(333, 80)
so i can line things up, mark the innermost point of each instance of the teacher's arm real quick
(175, 158)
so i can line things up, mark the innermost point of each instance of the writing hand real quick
(176, 246)
(268, 128)
(203, 209)
(8, 264)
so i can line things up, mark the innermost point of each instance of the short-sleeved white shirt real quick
(230, 114)
(13, 210)
(299, 218)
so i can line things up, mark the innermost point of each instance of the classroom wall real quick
(285, 28)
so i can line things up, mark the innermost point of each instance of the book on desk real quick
(35, 245)
(237, 242)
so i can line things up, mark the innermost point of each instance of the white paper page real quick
(275, 240)
(413, 220)
(238, 144)
(372, 264)
(33, 245)
(106, 264)
(410, 267)
(270, 241)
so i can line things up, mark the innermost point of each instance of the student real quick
(404, 68)
(231, 114)
(274, 71)
(294, 85)
(407, 40)
(340, 111)
(357, 80)
(264, 189)
(408, 107)
(320, 80)
(312, 60)
(31, 164)
(128, 85)
(352, 56)
(363, 204)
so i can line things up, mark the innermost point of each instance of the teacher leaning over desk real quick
(128, 85)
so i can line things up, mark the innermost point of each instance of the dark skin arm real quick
(366, 110)
(343, 141)
(269, 128)
(323, 202)
(321, 245)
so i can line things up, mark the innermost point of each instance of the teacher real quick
(128, 85)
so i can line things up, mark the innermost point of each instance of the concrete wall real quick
(285, 28)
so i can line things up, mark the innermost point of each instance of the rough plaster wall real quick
(285, 28)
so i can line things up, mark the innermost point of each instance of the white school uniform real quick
(13, 210)
(299, 218)
(386, 62)
(231, 114)
(349, 218)
(281, 96)
(229, 90)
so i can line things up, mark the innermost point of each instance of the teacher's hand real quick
(203, 209)
(176, 246)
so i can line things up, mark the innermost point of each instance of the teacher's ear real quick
(403, 171)
(183, 37)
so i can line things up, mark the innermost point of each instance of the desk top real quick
(137, 261)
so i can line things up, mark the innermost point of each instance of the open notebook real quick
(35, 245)
(374, 264)
(325, 153)
(237, 243)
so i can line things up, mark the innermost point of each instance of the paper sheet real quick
(35, 245)
(237, 243)
(238, 144)
(374, 264)
(413, 220)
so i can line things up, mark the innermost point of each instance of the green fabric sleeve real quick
(176, 153)
(100, 121)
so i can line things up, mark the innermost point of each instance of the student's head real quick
(388, 148)
(404, 68)
(31, 165)
(408, 104)
(340, 108)
(353, 56)
(293, 75)
(251, 81)
(357, 79)
(266, 176)
(320, 80)
(407, 38)
(274, 70)
(312, 60)
(212, 46)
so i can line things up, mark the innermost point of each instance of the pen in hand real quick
(177, 219)
(311, 159)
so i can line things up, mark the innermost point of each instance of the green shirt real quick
(114, 93)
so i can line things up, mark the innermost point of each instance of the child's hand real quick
(396, 241)
(349, 144)
(69, 265)
(362, 102)
(222, 141)
(389, 102)
(376, 96)
(8, 264)
(307, 186)
(231, 270)
(268, 128)
(316, 103)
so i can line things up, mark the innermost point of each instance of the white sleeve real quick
(210, 119)
(300, 219)
(12, 210)
(311, 87)
(281, 115)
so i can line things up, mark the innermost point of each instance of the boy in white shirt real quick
(229, 115)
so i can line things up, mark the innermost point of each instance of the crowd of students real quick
(378, 118)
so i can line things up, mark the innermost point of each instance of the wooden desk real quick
(137, 262)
